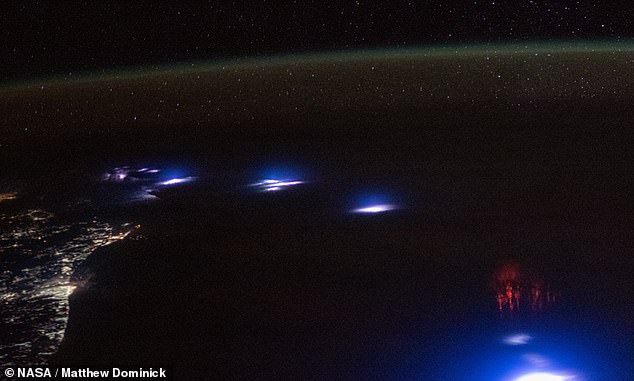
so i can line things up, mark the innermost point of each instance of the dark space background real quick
(45, 37)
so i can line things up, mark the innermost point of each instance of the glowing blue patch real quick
(374, 204)
(279, 173)
(543, 376)
(517, 339)
(177, 181)
(277, 178)
(372, 209)
(273, 185)
(536, 360)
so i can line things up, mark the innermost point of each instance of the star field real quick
(47, 37)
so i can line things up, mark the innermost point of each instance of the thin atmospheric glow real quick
(374, 209)
(274, 185)
(177, 181)
(542, 376)
(517, 339)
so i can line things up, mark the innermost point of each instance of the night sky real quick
(39, 38)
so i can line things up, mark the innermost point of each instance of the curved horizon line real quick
(132, 72)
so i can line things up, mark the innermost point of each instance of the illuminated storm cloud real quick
(128, 173)
(277, 178)
(373, 209)
(116, 174)
(374, 204)
(517, 339)
(178, 180)
(544, 376)
(274, 185)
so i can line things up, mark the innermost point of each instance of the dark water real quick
(264, 285)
